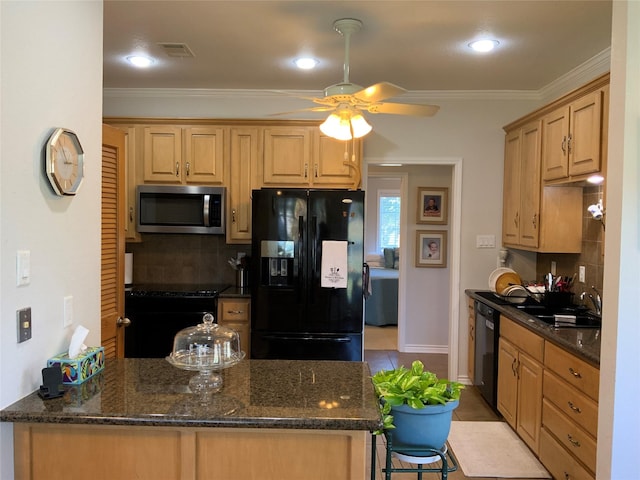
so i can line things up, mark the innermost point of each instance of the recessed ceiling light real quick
(306, 63)
(139, 61)
(484, 45)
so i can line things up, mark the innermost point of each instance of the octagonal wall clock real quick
(64, 161)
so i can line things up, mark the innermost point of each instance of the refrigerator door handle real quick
(301, 255)
(314, 253)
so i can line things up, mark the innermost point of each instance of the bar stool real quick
(448, 462)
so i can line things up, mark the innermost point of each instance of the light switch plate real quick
(582, 273)
(67, 311)
(23, 267)
(24, 324)
(485, 241)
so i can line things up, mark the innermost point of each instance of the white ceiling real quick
(419, 45)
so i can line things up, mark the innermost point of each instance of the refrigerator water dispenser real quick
(276, 262)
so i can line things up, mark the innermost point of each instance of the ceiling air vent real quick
(177, 50)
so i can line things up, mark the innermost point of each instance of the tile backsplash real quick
(175, 258)
(592, 255)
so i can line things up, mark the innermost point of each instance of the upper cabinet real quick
(572, 138)
(191, 155)
(547, 154)
(242, 155)
(303, 157)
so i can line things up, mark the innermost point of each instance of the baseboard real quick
(413, 348)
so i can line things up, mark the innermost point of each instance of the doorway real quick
(451, 308)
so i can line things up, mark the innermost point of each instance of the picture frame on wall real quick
(431, 248)
(433, 205)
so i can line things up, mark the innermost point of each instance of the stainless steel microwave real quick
(180, 209)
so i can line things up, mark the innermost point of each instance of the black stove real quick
(158, 311)
(177, 290)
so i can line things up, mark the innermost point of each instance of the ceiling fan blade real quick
(379, 91)
(404, 109)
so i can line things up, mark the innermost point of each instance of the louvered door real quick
(113, 241)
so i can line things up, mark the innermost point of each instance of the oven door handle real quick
(308, 338)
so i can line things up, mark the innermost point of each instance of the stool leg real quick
(373, 457)
(419, 471)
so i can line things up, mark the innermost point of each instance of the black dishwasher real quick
(486, 356)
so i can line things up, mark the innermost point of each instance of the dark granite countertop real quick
(234, 291)
(322, 395)
(582, 342)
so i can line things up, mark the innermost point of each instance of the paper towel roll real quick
(128, 268)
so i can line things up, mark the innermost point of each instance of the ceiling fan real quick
(347, 100)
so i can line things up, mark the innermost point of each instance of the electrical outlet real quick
(553, 268)
(67, 311)
(582, 273)
(24, 324)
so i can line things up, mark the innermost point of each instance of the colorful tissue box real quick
(78, 369)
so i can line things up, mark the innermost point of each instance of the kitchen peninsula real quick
(273, 419)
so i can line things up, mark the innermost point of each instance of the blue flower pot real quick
(426, 427)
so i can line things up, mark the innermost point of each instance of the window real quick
(388, 219)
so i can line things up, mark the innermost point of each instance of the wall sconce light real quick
(345, 123)
(597, 211)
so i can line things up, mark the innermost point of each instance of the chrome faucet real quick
(595, 300)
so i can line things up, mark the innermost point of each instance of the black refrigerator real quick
(307, 274)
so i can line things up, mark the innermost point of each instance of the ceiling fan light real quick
(360, 126)
(337, 126)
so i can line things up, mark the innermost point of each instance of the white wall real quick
(618, 419)
(51, 57)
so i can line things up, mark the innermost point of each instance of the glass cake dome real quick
(206, 348)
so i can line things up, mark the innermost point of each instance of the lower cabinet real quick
(520, 373)
(235, 313)
(104, 452)
(569, 414)
(550, 398)
(471, 346)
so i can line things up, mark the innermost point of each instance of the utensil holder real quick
(242, 278)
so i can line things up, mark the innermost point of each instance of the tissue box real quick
(77, 370)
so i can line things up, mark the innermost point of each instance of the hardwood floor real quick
(472, 406)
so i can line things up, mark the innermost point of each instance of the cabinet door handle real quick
(574, 373)
(315, 167)
(131, 214)
(235, 312)
(573, 442)
(564, 145)
(535, 220)
(177, 169)
(516, 219)
(306, 170)
(188, 169)
(566, 476)
(569, 143)
(514, 367)
(574, 408)
(233, 216)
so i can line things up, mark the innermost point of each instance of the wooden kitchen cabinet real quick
(191, 155)
(303, 157)
(537, 217)
(520, 377)
(235, 313)
(243, 145)
(572, 138)
(471, 340)
(569, 414)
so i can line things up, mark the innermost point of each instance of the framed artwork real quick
(431, 248)
(432, 205)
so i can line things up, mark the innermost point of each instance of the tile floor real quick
(472, 406)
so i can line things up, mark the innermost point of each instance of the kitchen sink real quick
(562, 317)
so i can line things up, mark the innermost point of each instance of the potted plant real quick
(416, 405)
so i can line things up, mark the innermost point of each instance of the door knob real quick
(123, 322)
